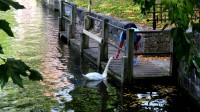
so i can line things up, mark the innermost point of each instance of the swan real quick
(96, 75)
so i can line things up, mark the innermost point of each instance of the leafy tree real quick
(179, 15)
(12, 68)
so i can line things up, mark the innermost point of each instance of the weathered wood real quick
(124, 70)
(121, 69)
(62, 8)
(93, 36)
(100, 56)
(60, 23)
(84, 42)
(85, 38)
(73, 27)
(89, 5)
(105, 34)
(129, 54)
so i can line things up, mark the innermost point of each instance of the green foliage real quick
(12, 68)
(4, 25)
(179, 13)
(15, 69)
(5, 5)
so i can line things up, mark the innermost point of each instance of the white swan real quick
(96, 75)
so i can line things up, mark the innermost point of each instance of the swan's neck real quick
(106, 68)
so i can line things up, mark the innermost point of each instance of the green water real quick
(29, 46)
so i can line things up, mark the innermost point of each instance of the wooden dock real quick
(90, 46)
(143, 70)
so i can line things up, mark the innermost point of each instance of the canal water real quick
(62, 69)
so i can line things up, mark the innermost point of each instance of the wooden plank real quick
(93, 36)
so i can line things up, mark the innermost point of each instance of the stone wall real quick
(190, 82)
(151, 42)
(197, 42)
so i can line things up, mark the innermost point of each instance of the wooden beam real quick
(93, 36)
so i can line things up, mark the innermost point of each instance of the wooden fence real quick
(127, 63)
(67, 19)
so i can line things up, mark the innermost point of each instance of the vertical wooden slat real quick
(100, 56)
(124, 70)
(175, 63)
(129, 53)
(105, 38)
(62, 13)
(89, 5)
(86, 27)
(73, 21)
(103, 48)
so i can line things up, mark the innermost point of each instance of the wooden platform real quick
(144, 69)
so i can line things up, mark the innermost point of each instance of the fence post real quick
(89, 5)
(124, 70)
(73, 24)
(85, 38)
(103, 47)
(100, 56)
(105, 35)
(61, 19)
(129, 54)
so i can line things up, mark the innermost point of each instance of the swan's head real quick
(112, 57)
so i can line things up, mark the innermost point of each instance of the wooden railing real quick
(67, 19)
(127, 63)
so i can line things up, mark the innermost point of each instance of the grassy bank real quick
(121, 9)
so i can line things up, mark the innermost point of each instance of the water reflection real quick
(151, 101)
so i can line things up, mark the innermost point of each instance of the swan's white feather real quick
(93, 76)
(96, 75)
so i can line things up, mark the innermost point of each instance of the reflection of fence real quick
(127, 73)
(67, 19)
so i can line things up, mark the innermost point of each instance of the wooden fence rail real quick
(67, 19)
